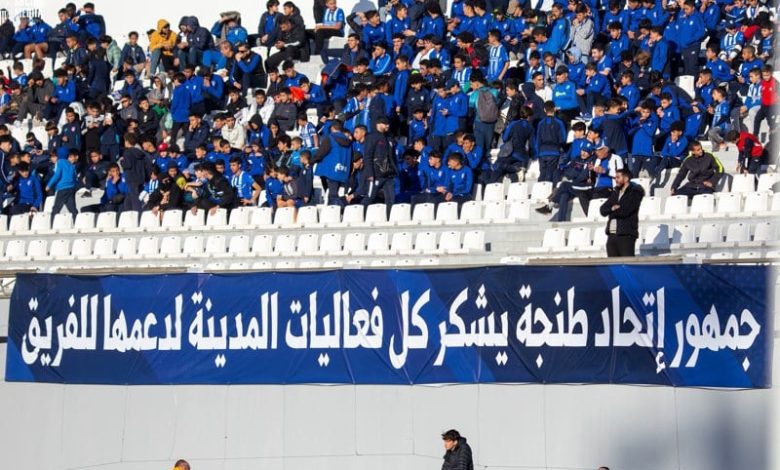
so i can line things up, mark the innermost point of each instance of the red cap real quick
(163, 147)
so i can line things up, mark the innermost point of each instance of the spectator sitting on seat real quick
(460, 180)
(273, 187)
(577, 182)
(167, 196)
(96, 171)
(115, 190)
(605, 168)
(702, 171)
(218, 194)
(27, 189)
(308, 133)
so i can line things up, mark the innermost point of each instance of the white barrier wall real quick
(55, 427)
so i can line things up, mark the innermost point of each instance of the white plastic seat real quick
(307, 216)
(41, 222)
(240, 217)
(355, 243)
(151, 221)
(519, 210)
(401, 242)
(727, 204)
(171, 220)
(48, 205)
(493, 192)
(656, 237)
(377, 243)
(170, 246)
(106, 221)
(148, 247)
(736, 234)
(262, 245)
(447, 212)
(599, 241)
(128, 220)
(37, 249)
(353, 215)
(423, 213)
(710, 233)
(594, 210)
(474, 240)
(261, 217)
(308, 244)
(766, 181)
(682, 235)
(400, 214)
(330, 216)
(81, 249)
(19, 223)
(216, 245)
(540, 191)
(218, 219)
(15, 250)
(285, 245)
(3, 223)
(284, 216)
(126, 247)
(424, 242)
(517, 192)
(85, 222)
(376, 214)
(238, 245)
(62, 223)
(702, 205)
(191, 221)
(676, 206)
(495, 212)
(756, 203)
(743, 184)
(330, 243)
(649, 209)
(643, 182)
(450, 243)
(193, 246)
(470, 212)
(579, 239)
(554, 238)
(104, 248)
(765, 233)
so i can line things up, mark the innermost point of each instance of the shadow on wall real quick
(712, 434)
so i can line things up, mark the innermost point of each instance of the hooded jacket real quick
(158, 39)
(334, 157)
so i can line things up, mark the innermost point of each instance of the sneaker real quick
(545, 209)
(86, 194)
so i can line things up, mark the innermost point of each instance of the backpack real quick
(487, 109)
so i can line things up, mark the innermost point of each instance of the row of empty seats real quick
(665, 237)
(754, 204)
(238, 246)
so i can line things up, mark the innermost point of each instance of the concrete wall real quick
(48, 427)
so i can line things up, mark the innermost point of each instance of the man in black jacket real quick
(379, 163)
(291, 40)
(703, 171)
(458, 455)
(219, 192)
(137, 166)
(622, 209)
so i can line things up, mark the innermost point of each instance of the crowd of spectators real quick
(408, 110)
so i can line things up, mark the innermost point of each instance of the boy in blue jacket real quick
(721, 118)
(63, 183)
(642, 132)
(181, 101)
(675, 148)
(564, 95)
(548, 146)
(27, 188)
(459, 182)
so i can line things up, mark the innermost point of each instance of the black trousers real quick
(65, 198)
(620, 245)
(320, 36)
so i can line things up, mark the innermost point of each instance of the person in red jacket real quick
(768, 108)
(750, 151)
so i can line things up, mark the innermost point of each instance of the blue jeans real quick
(483, 133)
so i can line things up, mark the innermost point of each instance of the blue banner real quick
(677, 325)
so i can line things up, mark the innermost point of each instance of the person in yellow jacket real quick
(161, 44)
